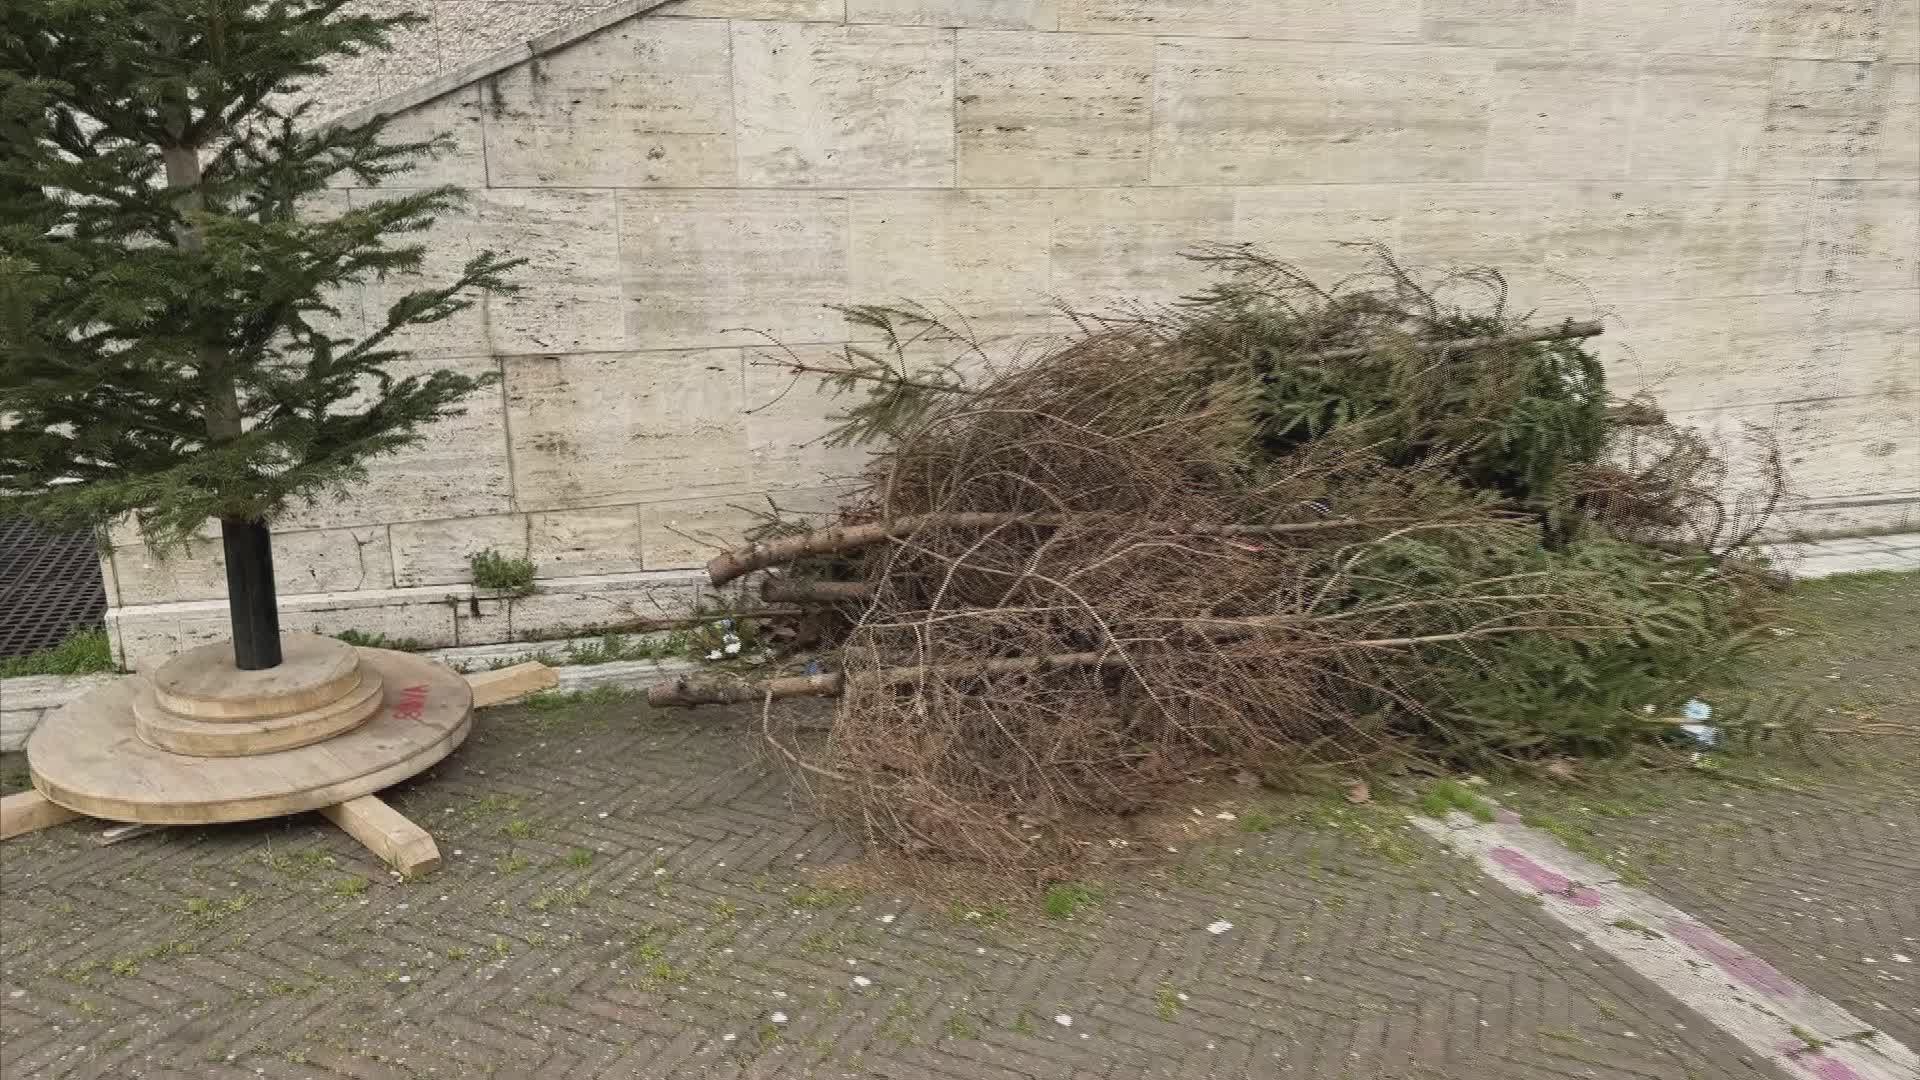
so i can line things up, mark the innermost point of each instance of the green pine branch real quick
(172, 343)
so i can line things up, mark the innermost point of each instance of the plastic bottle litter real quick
(1699, 712)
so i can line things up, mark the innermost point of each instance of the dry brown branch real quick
(844, 538)
(1565, 331)
(692, 690)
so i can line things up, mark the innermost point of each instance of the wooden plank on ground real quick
(494, 687)
(26, 811)
(405, 846)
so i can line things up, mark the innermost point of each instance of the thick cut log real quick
(730, 690)
(842, 538)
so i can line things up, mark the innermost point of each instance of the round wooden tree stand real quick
(202, 742)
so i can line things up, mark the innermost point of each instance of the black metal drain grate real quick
(49, 586)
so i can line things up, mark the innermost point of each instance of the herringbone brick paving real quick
(1823, 881)
(628, 896)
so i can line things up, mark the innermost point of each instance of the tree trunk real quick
(253, 608)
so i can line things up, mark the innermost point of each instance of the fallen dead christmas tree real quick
(1275, 522)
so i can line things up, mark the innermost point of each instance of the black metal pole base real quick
(252, 606)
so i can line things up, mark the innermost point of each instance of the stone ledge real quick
(437, 616)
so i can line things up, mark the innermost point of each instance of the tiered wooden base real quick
(203, 742)
(200, 704)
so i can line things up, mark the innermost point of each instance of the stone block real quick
(425, 616)
(1700, 354)
(150, 634)
(1310, 20)
(609, 428)
(455, 116)
(644, 103)
(569, 543)
(974, 258)
(1260, 112)
(569, 298)
(322, 560)
(448, 243)
(439, 552)
(685, 533)
(1860, 447)
(482, 621)
(1822, 120)
(1125, 245)
(33, 693)
(1510, 227)
(1308, 224)
(1900, 30)
(459, 469)
(1650, 26)
(1655, 239)
(1561, 116)
(980, 14)
(703, 268)
(783, 10)
(843, 106)
(347, 319)
(1828, 29)
(789, 423)
(1862, 235)
(1053, 110)
(15, 726)
(1499, 23)
(1696, 113)
(576, 605)
(1900, 124)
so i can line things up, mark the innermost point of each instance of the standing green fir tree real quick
(170, 345)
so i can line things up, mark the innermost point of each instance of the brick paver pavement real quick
(627, 896)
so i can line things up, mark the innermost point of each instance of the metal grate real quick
(49, 586)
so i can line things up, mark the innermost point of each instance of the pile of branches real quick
(1273, 523)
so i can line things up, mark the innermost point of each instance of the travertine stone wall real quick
(1734, 185)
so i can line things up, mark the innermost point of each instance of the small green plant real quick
(819, 899)
(574, 897)
(376, 640)
(501, 573)
(350, 886)
(580, 857)
(1023, 1024)
(83, 652)
(550, 702)
(1635, 926)
(214, 910)
(959, 1027)
(1063, 900)
(455, 952)
(511, 864)
(1167, 1001)
(1452, 795)
(1257, 821)
(518, 828)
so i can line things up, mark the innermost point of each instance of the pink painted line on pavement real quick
(1733, 959)
(1821, 1066)
(1546, 881)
